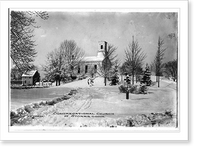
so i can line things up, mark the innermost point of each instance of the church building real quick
(93, 62)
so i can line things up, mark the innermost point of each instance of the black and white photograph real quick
(93, 69)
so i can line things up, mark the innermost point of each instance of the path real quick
(98, 82)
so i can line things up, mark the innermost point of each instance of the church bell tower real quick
(102, 46)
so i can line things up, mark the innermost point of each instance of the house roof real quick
(29, 73)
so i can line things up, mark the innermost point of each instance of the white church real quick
(93, 62)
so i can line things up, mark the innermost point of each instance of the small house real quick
(30, 78)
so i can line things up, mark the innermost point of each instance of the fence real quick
(16, 82)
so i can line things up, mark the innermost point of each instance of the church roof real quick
(92, 58)
(100, 55)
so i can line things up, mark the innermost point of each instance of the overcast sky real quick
(87, 28)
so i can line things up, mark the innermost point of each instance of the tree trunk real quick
(133, 78)
(105, 80)
(136, 78)
(158, 81)
(122, 81)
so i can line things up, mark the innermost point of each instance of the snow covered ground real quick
(99, 105)
(98, 82)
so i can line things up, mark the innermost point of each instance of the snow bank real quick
(23, 115)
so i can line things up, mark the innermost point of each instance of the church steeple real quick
(102, 46)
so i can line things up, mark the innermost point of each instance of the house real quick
(30, 78)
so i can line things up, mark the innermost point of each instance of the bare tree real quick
(73, 55)
(134, 58)
(21, 33)
(109, 61)
(114, 74)
(170, 68)
(63, 61)
(139, 73)
(158, 61)
(54, 64)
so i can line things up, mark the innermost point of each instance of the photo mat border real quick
(178, 53)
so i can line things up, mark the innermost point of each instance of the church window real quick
(101, 46)
(79, 70)
(95, 67)
(86, 69)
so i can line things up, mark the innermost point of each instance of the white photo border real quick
(138, 134)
